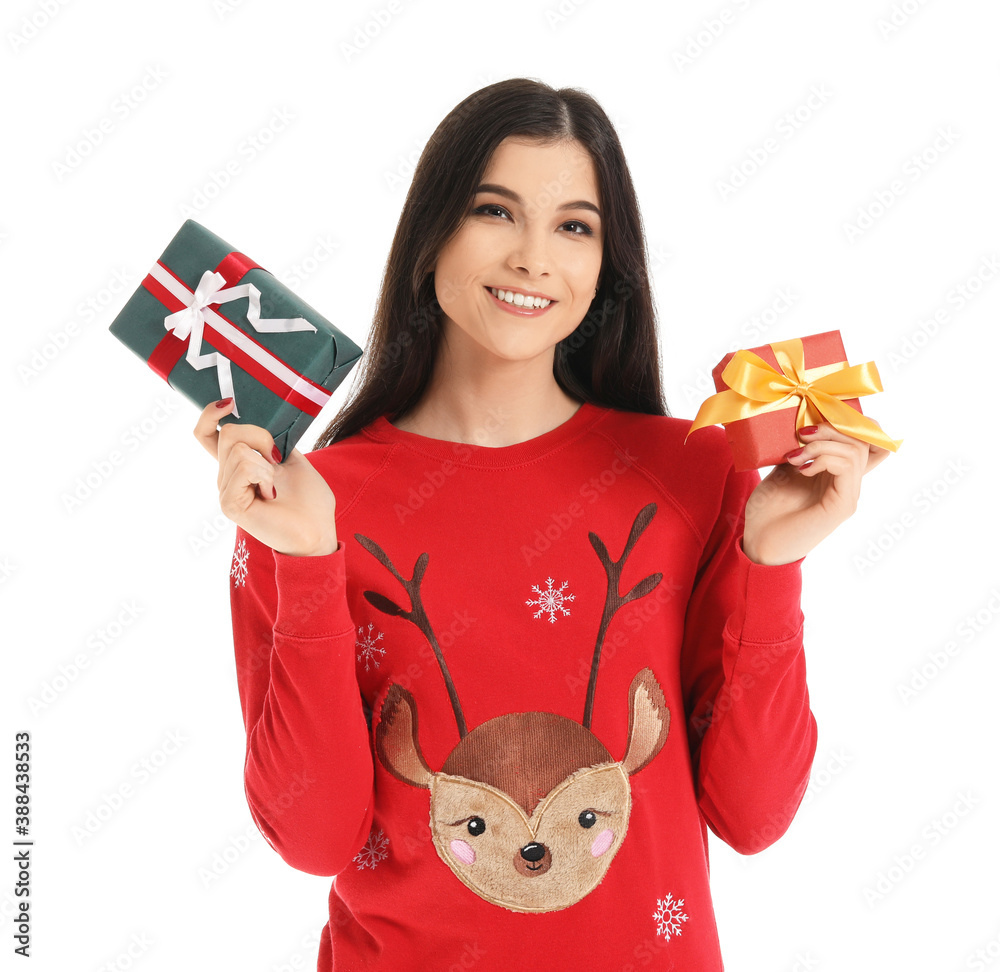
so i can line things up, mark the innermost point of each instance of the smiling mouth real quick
(519, 309)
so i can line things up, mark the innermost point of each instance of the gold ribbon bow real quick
(755, 387)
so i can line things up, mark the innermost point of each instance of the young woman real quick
(506, 644)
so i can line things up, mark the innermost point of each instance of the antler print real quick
(613, 601)
(417, 615)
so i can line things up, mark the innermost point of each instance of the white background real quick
(891, 587)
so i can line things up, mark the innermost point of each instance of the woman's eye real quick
(483, 208)
(584, 229)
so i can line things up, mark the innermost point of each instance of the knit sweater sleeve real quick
(308, 773)
(751, 732)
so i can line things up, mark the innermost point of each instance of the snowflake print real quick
(373, 852)
(551, 600)
(668, 916)
(240, 558)
(369, 647)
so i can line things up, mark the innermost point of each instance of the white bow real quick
(190, 321)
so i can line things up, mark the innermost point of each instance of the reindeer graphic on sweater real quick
(530, 808)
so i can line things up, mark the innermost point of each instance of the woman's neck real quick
(505, 418)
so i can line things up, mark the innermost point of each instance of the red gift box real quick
(778, 388)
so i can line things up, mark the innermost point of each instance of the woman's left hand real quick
(806, 497)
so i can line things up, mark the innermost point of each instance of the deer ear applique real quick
(396, 739)
(648, 721)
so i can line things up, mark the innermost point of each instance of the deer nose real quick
(532, 860)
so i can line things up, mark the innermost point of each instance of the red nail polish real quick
(794, 452)
(276, 454)
(274, 493)
(809, 430)
(223, 403)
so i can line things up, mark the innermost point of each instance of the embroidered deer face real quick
(530, 808)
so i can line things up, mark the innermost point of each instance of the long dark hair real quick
(611, 359)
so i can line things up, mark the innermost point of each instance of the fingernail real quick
(809, 430)
(276, 454)
(794, 452)
(274, 493)
(222, 403)
(806, 465)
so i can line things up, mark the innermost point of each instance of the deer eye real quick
(588, 818)
(476, 826)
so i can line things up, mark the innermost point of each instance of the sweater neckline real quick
(493, 457)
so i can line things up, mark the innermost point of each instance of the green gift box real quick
(213, 324)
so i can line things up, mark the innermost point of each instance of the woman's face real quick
(534, 226)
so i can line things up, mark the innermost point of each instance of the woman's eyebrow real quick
(514, 197)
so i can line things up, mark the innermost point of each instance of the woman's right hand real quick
(289, 506)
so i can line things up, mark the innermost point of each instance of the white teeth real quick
(519, 300)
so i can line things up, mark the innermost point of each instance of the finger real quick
(875, 455)
(833, 464)
(828, 447)
(826, 431)
(246, 476)
(253, 436)
(206, 428)
(871, 454)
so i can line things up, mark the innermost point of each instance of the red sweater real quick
(505, 709)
